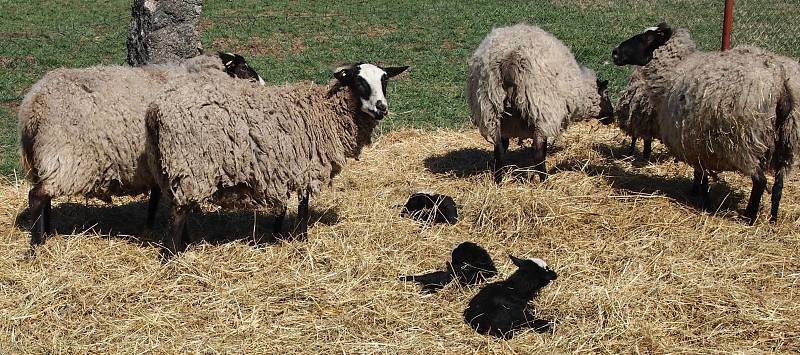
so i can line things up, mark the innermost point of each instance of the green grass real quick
(291, 41)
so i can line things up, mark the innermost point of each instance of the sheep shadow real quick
(468, 162)
(622, 152)
(722, 196)
(128, 222)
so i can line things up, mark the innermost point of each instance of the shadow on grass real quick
(128, 222)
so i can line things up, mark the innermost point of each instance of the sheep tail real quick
(788, 125)
(515, 72)
(28, 127)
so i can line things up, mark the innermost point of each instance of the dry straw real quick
(640, 269)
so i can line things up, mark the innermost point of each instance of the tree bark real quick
(163, 31)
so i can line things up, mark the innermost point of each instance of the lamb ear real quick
(517, 261)
(228, 59)
(394, 71)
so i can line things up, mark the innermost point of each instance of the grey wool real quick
(82, 130)
(236, 145)
(531, 72)
(718, 111)
(734, 110)
(634, 112)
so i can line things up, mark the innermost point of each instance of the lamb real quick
(235, 145)
(470, 265)
(525, 83)
(502, 307)
(721, 111)
(431, 208)
(635, 115)
(82, 131)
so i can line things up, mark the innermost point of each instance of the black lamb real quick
(502, 307)
(431, 208)
(470, 265)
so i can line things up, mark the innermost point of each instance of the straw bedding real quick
(639, 268)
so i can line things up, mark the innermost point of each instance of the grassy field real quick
(291, 41)
(641, 268)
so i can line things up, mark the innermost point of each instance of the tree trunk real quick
(163, 31)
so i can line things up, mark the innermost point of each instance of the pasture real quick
(641, 268)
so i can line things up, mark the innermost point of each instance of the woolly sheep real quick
(502, 307)
(470, 265)
(721, 111)
(523, 82)
(235, 145)
(635, 115)
(82, 130)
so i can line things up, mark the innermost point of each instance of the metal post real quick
(727, 25)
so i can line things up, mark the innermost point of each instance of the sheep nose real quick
(381, 106)
(614, 53)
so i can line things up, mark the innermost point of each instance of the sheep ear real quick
(394, 71)
(517, 261)
(343, 74)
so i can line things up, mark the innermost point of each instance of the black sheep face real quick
(236, 66)
(537, 273)
(638, 50)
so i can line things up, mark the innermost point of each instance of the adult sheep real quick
(82, 130)
(238, 146)
(523, 82)
(635, 114)
(721, 111)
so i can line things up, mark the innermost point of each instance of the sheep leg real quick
(173, 241)
(632, 151)
(499, 151)
(303, 217)
(777, 191)
(700, 186)
(39, 207)
(277, 225)
(648, 149)
(152, 205)
(759, 185)
(539, 154)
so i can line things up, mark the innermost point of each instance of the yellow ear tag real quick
(228, 63)
(343, 73)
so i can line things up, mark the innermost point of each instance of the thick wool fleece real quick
(634, 112)
(533, 76)
(721, 111)
(82, 130)
(238, 146)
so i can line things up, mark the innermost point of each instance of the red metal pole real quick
(727, 25)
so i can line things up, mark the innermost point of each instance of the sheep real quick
(523, 82)
(635, 115)
(502, 307)
(82, 131)
(721, 111)
(235, 145)
(431, 208)
(470, 265)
